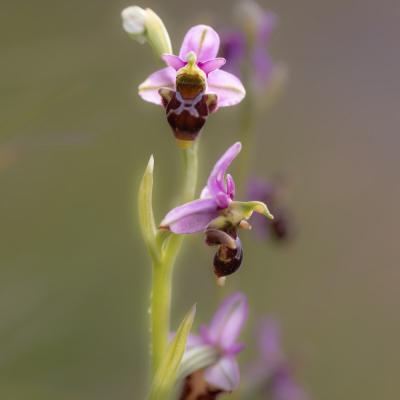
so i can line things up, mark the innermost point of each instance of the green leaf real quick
(146, 216)
(166, 373)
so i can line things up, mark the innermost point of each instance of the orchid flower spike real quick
(221, 335)
(218, 215)
(192, 86)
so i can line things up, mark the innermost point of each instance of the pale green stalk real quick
(163, 267)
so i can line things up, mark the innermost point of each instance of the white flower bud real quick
(134, 22)
(146, 25)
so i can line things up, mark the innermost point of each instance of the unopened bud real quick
(145, 25)
(134, 22)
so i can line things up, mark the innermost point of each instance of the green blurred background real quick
(75, 138)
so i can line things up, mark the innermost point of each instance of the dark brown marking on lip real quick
(187, 116)
(227, 261)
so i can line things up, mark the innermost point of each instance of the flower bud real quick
(134, 22)
(146, 25)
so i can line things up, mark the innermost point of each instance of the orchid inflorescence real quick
(192, 86)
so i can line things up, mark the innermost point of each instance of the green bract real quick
(165, 375)
(145, 25)
(146, 217)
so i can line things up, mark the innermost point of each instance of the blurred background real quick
(75, 138)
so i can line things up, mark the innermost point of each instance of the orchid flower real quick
(192, 86)
(218, 215)
(273, 372)
(222, 334)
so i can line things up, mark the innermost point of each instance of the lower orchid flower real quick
(221, 335)
(273, 373)
(218, 215)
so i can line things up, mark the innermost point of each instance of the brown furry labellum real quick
(188, 107)
(229, 255)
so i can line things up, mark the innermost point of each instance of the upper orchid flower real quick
(218, 215)
(192, 85)
(221, 335)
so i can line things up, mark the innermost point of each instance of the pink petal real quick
(192, 340)
(230, 186)
(193, 223)
(222, 199)
(216, 180)
(173, 61)
(224, 374)
(212, 65)
(163, 78)
(227, 87)
(202, 40)
(228, 321)
(286, 388)
(269, 342)
(191, 217)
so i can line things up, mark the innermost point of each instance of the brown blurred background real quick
(75, 137)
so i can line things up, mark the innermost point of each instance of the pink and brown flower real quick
(192, 86)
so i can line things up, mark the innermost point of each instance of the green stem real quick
(163, 268)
